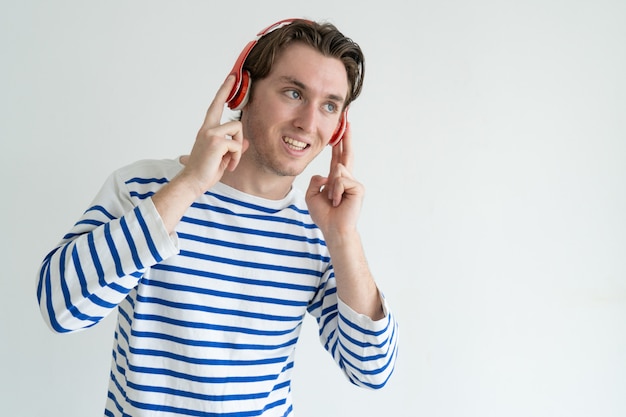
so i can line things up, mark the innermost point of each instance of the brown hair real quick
(324, 37)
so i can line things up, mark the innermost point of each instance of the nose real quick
(306, 117)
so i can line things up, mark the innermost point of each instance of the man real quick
(213, 259)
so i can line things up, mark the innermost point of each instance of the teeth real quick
(294, 144)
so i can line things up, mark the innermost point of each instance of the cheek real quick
(333, 127)
(267, 113)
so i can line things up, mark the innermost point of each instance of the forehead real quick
(313, 69)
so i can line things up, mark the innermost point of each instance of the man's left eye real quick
(331, 107)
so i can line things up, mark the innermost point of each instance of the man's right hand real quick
(218, 147)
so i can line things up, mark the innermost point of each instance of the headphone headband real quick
(238, 95)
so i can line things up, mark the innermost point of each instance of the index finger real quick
(216, 108)
(342, 152)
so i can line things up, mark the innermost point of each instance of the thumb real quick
(232, 164)
(316, 185)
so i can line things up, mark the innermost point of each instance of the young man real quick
(213, 259)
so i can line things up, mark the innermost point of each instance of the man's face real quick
(294, 110)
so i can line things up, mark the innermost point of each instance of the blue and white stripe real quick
(208, 317)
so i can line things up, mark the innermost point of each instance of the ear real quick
(341, 128)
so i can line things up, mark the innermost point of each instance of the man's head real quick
(323, 37)
(258, 57)
(302, 76)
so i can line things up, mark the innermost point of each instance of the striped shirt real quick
(209, 316)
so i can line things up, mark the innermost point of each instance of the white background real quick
(490, 135)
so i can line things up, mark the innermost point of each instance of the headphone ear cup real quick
(241, 92)
(341, 129)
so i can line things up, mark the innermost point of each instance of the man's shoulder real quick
(153, 169)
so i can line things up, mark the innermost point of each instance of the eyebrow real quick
(302, 86)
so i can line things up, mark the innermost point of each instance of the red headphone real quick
(238, 96)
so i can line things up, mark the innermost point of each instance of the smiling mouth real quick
(294, 144)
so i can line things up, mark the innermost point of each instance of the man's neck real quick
(265, 185)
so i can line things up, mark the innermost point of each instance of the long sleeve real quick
(102, 258)
(364, 349)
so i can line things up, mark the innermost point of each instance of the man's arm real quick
(104, 255)
(356, 326)
(335, 204)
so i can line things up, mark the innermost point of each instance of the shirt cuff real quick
(363, 320)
